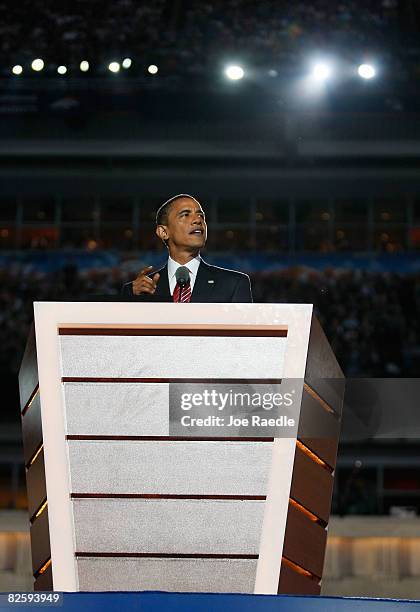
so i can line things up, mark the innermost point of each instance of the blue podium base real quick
(152, 601)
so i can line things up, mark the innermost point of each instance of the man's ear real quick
(162, 233)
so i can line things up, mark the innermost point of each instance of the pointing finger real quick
(144, 271)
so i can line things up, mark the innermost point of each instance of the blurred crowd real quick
(190, 35)
(272, 31)
(78, 30)
(371, 319)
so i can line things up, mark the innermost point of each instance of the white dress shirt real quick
(173, 266)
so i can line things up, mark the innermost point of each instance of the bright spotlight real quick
(321, 71)
(152, 69)
(37, 64)
(366, 71)
(234, 73)
(61, 70)
(126, 62)
(84, 66)
(17, 69)
(114, 67)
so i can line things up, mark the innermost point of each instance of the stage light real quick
(366, 71)
(114, 67)
(17, 69)
(84, 66)
(61, 70)
(234, 73)
(126, 63)
(152, 69)
(37, 64)
(321, 71)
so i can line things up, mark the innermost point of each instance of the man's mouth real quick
(197, 231)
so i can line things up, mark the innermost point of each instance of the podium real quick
(119, 500)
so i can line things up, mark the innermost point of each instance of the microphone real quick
(182, 276)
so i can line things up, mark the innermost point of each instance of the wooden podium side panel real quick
(319, 428)
(35, 466)
(295, 582)
(323, 374)
(28, 373)
(305, 541)
(312, 486)
(313, 470)
(32, 428)
(39, 524)
(44, 582)
(310, 497)
(40, 541)
(35, 479)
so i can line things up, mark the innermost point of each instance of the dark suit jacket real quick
(213, 284)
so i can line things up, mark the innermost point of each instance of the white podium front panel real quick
(126, 409)
(180, 575)
(172, 356)
(166, 526)
(170, 467)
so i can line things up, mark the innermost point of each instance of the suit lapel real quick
(203, 289)
(162, 287)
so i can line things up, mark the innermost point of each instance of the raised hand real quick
(143, 283)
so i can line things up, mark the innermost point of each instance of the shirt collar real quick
(192, 266)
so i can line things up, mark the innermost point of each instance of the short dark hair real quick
(163, 211)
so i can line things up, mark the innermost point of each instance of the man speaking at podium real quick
(181, 224)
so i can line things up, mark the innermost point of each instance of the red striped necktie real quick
(182, 294)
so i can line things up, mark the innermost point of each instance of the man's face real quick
(186, 227)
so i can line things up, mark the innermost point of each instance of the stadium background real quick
(310, 183)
